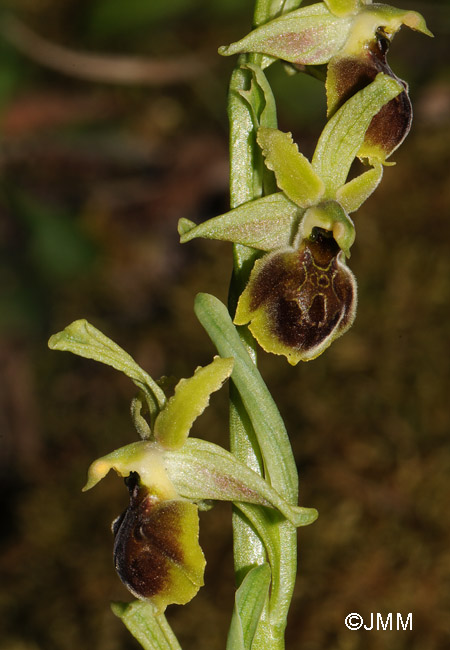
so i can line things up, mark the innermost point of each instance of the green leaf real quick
(248, 605)
(354, 193)
(344, 134)
(266, 223)
(280, 542)
(152, 631)
(190, 399)
(83, 339)
(267, 422)
(311, 35)
(294, 173)
(202, 470)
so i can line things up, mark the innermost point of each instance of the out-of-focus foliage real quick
(93, 179)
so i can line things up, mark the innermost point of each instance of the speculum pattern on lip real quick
(308, 297)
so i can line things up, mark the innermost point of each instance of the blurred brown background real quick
(94, 177)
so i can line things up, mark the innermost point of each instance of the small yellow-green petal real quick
(190, 399)
(294, 173)
(354, 193)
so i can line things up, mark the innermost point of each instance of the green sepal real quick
(307, 36)
(343, 136)
(144, 458)
(343, 7)
(190, 399)
(293, 171)
(85, 340)
(248, 605)
(354, 193)
(202, 470)
(151, 630)
(266, 223)
(330, 216)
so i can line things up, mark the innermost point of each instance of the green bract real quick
(301, 295)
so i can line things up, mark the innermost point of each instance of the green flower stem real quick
(246, 184)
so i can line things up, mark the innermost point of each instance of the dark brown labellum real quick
(145, 539)
(308, 297)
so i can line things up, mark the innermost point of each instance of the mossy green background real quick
(93, 179)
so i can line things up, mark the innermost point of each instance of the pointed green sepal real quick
(330, 216)
(85, 340)
(308, 36)
(202, 470)
(294, 173)
(151, 630)
(354, 193)
(265, 224)
(343, 136)
(190, 399)
(144, 458)
(248, 604)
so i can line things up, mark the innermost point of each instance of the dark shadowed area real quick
(96, 168)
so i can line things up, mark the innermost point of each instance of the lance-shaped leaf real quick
(307, 36)
(293, 171)
(267, 223)
(150, 629)
(190, 399)
(156, 550)
(202, 470)
(343, 135)
(85, 340)
(266, 419)
(354, 193)
(248, 604)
